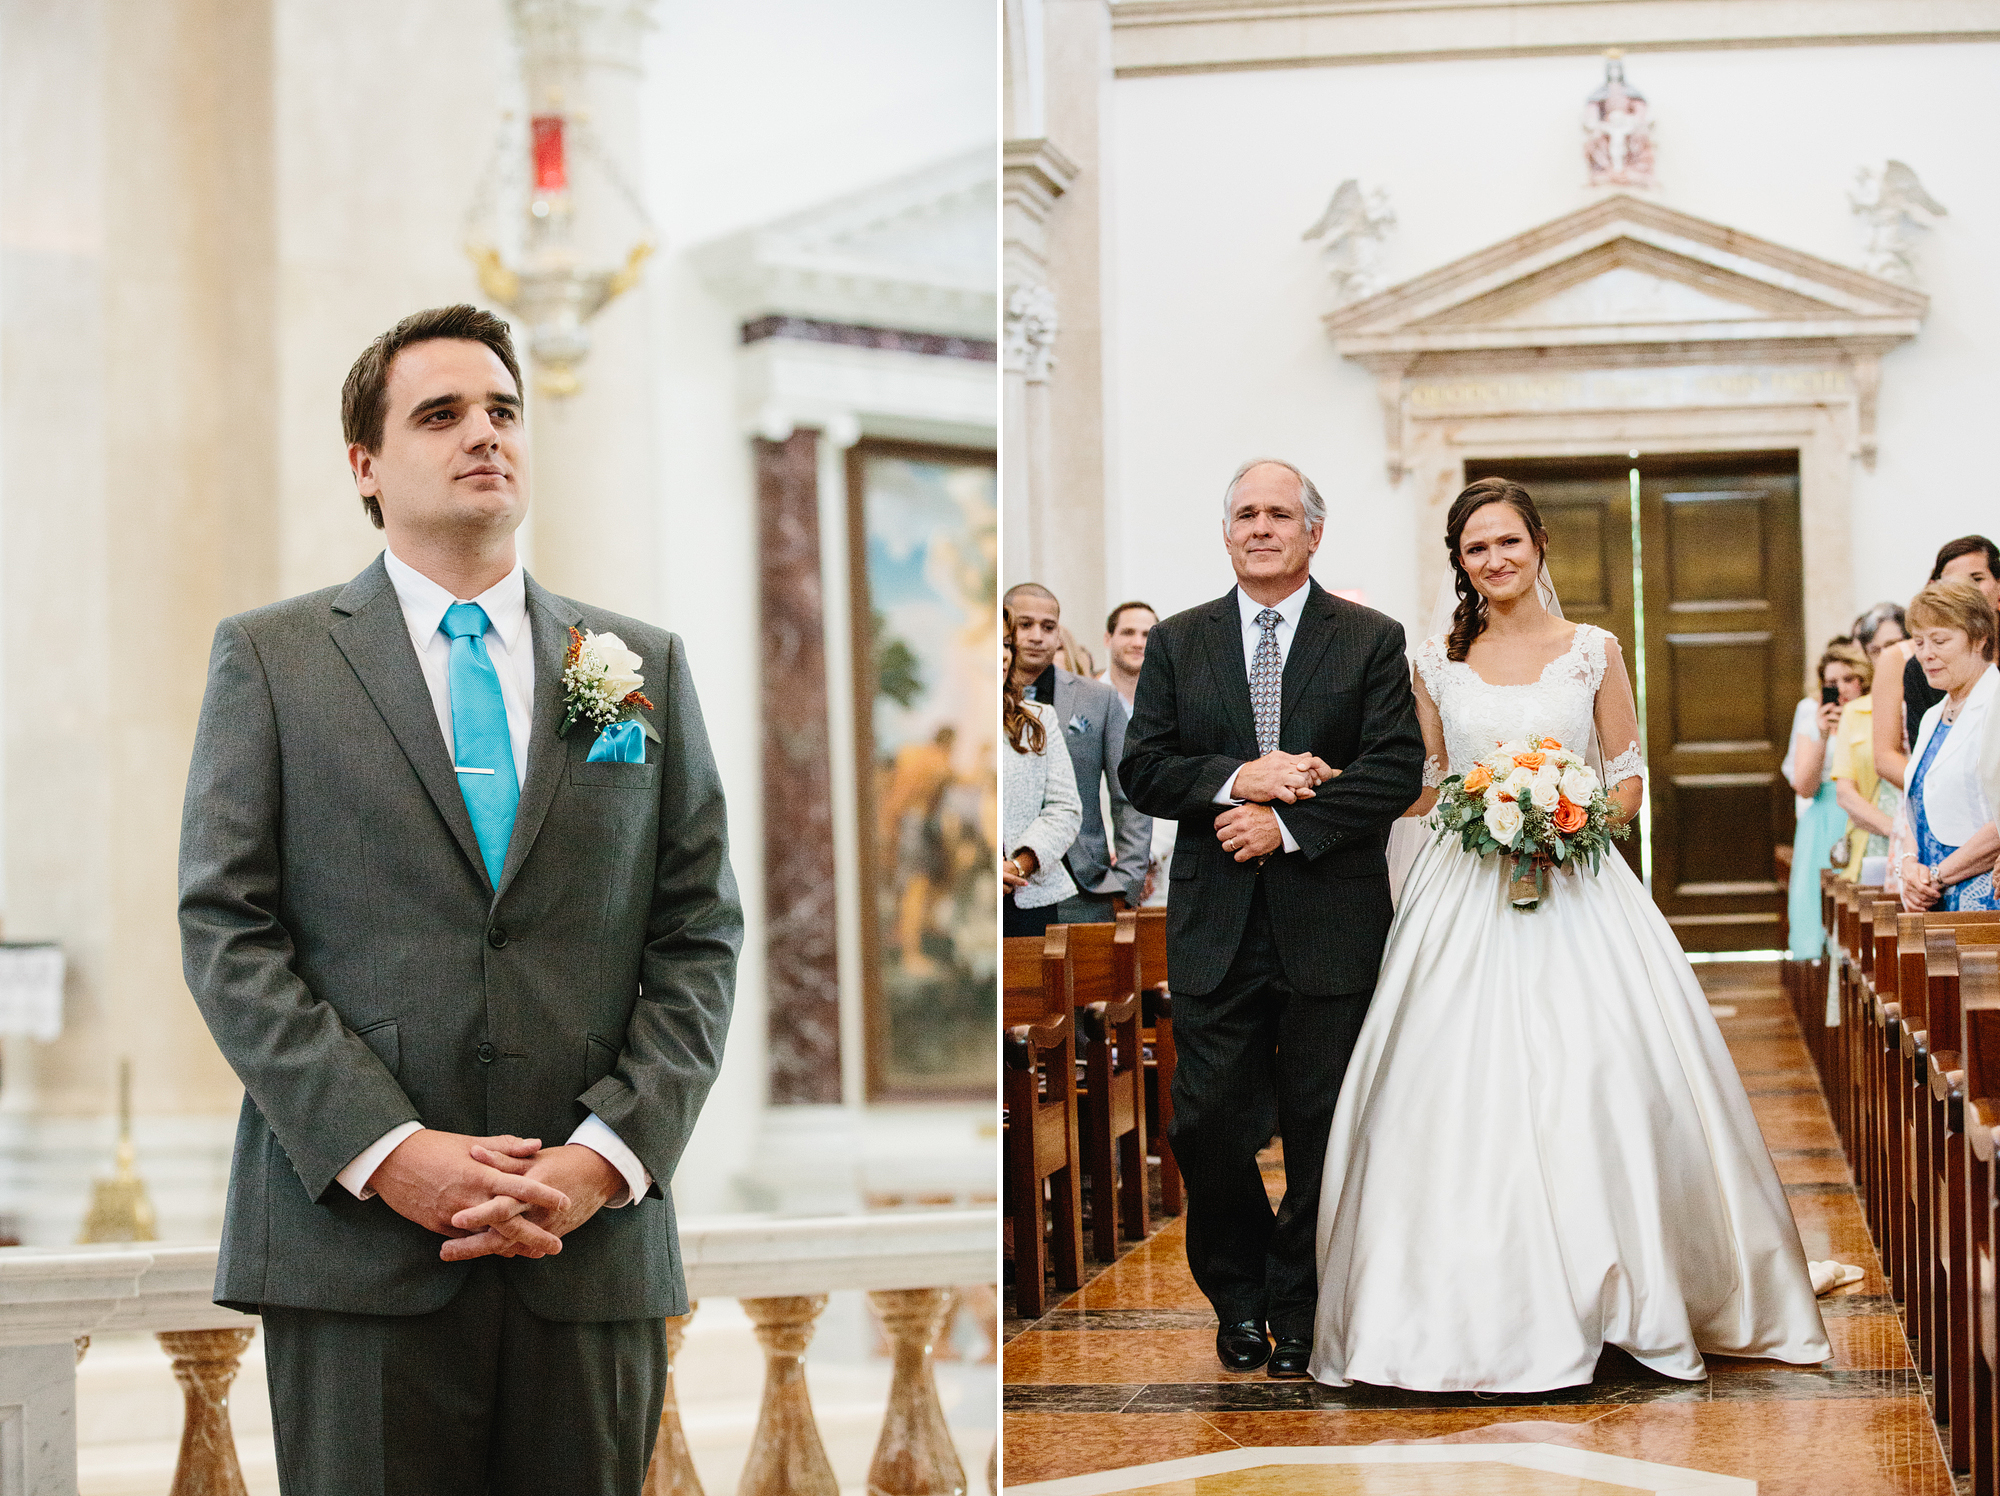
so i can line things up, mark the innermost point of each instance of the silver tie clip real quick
(457, 769)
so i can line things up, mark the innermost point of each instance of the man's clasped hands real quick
(1250, 830)
(499, 1196)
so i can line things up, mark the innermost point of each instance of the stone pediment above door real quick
(1568, 315)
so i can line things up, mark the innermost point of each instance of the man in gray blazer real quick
(1093, 729)
(473, 971)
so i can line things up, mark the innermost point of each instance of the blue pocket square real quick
(1079, 725)
(620, 743)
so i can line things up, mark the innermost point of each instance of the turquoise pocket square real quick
(620, 743)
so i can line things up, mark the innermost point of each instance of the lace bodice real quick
(1561, 704)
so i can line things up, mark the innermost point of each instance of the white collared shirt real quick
(511, 647)
(1248, 608)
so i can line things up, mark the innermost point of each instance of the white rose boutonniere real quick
(601, 683)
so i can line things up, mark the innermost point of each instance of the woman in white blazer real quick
(1040, 812)
(1950, 866)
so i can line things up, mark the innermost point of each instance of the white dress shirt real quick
(510, 646)
(1253, 635)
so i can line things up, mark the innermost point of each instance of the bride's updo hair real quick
(1469, 621)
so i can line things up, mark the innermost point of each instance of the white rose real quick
(1549, 775)
(1504, 821)
(1544, 795)
(621, 666)
(1521, 780)
(1508, 750)
(1578, 785)
(1494, 792)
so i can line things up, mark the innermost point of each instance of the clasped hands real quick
(1250, 831)
(499, 1196)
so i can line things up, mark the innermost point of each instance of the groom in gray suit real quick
(474, 972)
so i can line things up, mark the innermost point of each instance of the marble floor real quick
(1122, 1374)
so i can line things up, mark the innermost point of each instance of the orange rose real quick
(1478, 779)
(1552, 743)
(1531, 760)
(1569, 816)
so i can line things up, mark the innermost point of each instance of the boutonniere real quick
(601, 682)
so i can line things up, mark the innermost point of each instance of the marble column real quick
(803, 980)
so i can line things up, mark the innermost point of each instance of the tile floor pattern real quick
(1123, 1373)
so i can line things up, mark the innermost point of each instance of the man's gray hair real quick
(1315, 505)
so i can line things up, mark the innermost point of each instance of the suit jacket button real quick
(486, 1053)
(496, 937)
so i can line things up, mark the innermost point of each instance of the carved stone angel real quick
(1352, 229)
(1894, 206)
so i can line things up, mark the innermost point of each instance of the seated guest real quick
(1125, 643)
(1902, 695)
(1953, 626)
(1039, 810)
(1808, 767)
(1869, 800)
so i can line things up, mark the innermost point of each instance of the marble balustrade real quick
(53, 1299)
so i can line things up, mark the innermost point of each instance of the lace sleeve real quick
(1429, 658)
(1628, 765)
(1617, 715)
(1434, 774)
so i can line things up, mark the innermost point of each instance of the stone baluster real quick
(205, 1363)
(786, 1456)
(672, 1470)
(914, 1456)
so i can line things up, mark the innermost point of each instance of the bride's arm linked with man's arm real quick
(1323, 804)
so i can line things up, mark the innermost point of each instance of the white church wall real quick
(750, 116)
(1221, 356)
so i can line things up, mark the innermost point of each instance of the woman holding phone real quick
(1841, 676)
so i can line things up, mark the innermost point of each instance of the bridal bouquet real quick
(1536, 802)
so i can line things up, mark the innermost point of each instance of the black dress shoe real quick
(1290, 1358)
(1242, 1346)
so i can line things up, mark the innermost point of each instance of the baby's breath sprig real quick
(587, 687)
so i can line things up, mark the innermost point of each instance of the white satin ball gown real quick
(1542, 1146)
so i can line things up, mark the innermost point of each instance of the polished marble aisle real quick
(1123, 1373)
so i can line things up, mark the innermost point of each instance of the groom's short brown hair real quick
(364, 397)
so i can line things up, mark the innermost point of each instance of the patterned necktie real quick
(482, 752)
(1267, 676)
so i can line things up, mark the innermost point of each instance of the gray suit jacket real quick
(1093, 728)
(358, 970)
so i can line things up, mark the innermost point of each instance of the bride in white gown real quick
(1542, 1146)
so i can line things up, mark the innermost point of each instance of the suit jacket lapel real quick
(550, 618)
(1309, 642)
(369, 629)
(1224, 637)
(1064, 704)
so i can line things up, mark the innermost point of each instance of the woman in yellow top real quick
(1869, 800)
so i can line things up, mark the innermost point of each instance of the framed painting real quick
(922, 526)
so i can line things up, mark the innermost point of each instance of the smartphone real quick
(1828, 695)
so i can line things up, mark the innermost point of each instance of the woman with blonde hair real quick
(1869, 800)
(1954, 629)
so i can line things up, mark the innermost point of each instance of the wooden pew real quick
(1161, 1056)
(1979, 1033)
(1917, 1136)
(1884, 1092)
(1040, 1093)
(1101, 976)
(1947, 940)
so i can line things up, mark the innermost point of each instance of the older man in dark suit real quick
(1276, 725)
(444, 901)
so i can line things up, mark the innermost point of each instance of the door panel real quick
(1719, 542)
(1720, 573)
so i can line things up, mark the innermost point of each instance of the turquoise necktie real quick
(482, 752)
